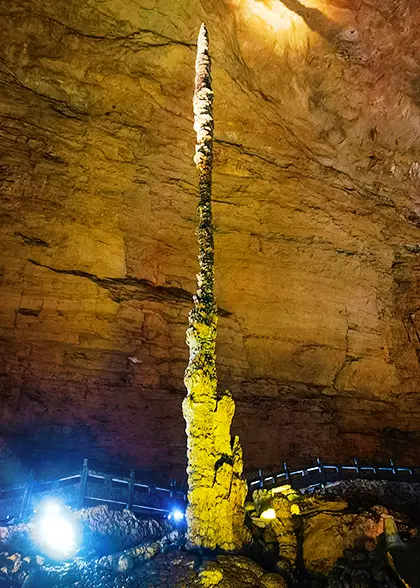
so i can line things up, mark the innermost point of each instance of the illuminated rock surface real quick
(317, 170)
(216, 486)
(327, 536)
(104, 530)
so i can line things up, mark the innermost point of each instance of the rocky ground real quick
(320, 540)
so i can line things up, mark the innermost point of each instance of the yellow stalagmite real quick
(217, 489)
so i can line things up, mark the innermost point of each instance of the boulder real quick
(273, 581)
(280, 530)
(112, 530)
(327, 536)
(235, 572)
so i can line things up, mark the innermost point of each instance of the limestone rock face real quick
(316, 179)
(107, 530)
(282, 529)
(327, 536)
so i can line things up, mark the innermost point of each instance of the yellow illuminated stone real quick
(283, 489)
(269, 514)
(216, 487)
(294, 509)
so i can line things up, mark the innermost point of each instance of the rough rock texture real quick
(313, 543)
(281, 530)
(326, 537)
(103, 530)
(216, 486)
(317, 170)
(110, 530)
(394, 495)
(171, 570)
(362, 569)
(126, 560)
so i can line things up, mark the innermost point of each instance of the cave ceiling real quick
(316, 213)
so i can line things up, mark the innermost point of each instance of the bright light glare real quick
(268, 514)
(51, 508)
(276, 15)
(176, 515)
(58, 534)
(55, 533)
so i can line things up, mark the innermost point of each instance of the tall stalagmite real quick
(217, 490)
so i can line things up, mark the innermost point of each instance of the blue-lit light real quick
(55, 532)
(176, 515)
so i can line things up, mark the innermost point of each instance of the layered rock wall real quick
(317, 172)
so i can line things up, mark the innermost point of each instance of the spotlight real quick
(268, 514)
(176, 515)
(52, 508)
(55, 533)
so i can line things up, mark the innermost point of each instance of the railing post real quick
(27, 495)
(185, 492)
(84, 474)
(393, 467)
(322, 472)
(173, 486)
(286, 472)
(261, 477)
(130, 497)
(108, 485)
(356, 463)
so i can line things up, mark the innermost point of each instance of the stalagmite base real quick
(217, 490)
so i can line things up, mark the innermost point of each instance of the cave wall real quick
(316, 209)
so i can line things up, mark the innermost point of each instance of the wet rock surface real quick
(317, 227)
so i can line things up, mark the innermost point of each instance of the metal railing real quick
(89, 487)
(321, 475)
